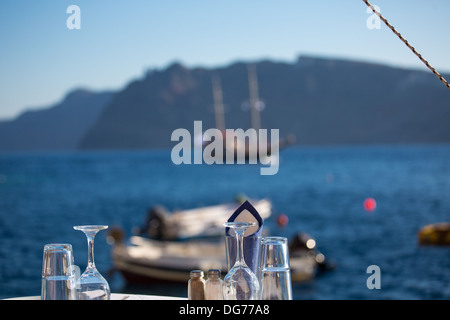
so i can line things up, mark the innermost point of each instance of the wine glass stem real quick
(90, 239)
(240, 247)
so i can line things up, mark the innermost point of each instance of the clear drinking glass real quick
(274, 273)
(92, 285)
(240, 283)
(58, 273)
(253, 242)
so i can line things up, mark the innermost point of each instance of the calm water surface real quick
(321, 190)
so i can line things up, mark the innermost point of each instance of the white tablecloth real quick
(117, 296)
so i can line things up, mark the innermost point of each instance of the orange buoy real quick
(435, 234)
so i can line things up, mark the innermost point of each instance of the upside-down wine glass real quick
(92, 285)
(240, 283)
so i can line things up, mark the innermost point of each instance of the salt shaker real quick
(213, 285)
(196, 286)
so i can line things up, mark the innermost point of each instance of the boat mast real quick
(254, 96)
(218, 103)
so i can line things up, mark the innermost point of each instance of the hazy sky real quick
(41, 59)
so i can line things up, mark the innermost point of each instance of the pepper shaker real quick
(196, 285)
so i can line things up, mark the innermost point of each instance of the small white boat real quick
(144, 260)
(169, 246)
(204, 221)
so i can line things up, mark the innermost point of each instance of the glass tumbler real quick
(58, 273)
(274, 273)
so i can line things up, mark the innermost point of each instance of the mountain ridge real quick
(322, 101)
(57, 127)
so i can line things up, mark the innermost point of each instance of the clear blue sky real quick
(41, 59)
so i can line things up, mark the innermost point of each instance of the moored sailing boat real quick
(248, 146)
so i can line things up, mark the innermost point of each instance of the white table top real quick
(116, 296)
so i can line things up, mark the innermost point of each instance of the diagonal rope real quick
(437, 74)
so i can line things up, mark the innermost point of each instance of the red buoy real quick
(282, 220)
(370, 204)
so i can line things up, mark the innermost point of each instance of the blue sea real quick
(320, 189)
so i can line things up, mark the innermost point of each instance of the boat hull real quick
(147, 261)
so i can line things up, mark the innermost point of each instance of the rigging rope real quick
(437, 74)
